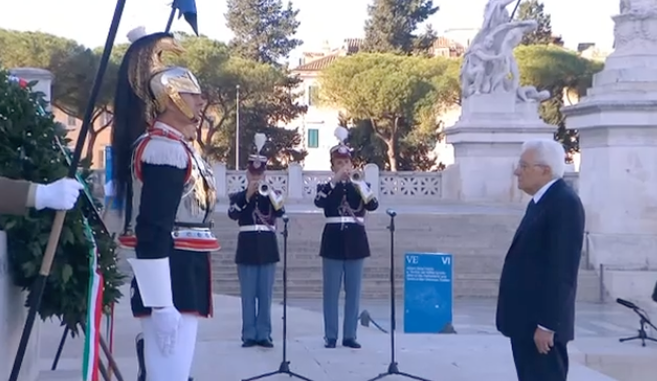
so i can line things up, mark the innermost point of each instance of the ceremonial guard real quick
(256, 209)
(345, 199)
(168, 193)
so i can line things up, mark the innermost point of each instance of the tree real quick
(561, 72)
(534, 10)
(398, 97)
(392, 24)
(74, 69)
(28, 151)
(263, 29)
(266, 100)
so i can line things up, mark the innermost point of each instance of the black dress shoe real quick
(329, 343)
(351, 343)
(266, 343)
(249, 343)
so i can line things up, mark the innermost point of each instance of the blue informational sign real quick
(428, 292)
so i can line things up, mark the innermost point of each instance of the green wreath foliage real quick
(28, 150)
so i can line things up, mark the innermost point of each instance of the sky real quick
(88, 21)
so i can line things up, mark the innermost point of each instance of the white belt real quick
(345, 220)
(255, 228)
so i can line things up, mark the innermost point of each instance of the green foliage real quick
(391, 26)
(561, 72)
(28, 151)
(534, 10)
(398, 97)
(73, 67)
(263, 29)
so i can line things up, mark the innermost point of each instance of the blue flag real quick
(187, 8)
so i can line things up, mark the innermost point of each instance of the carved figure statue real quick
(489, 65)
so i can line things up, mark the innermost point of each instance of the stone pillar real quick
(487, 139)
(617, 123)
(42, 77)
(13, 315)
(295, 182)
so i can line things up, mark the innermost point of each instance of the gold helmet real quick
(154, 82)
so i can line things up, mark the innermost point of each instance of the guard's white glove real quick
(59, 195)
(166, 322)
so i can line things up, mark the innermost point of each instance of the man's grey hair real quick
(549, 153)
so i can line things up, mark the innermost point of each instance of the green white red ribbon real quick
(91, 356)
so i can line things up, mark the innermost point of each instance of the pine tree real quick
(29, 150)
(392, 24)
(264, 29)
(534, 10)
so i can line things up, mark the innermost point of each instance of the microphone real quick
(285, 218)
(391, 213)
(627, 304)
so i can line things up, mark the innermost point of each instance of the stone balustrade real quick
(300, 186)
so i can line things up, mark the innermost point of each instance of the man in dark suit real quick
(536, 303)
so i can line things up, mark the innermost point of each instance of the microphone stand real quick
(393, 368)
(643, 323)
(284, 368)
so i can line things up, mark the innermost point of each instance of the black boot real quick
(139, 343)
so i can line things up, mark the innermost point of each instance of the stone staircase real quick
(477, 241)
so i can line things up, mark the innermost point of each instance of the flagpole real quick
(39, 284)
(171, 16)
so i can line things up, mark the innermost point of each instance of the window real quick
(313, 138)
(313, 95)
(71, 121)
(100, 159)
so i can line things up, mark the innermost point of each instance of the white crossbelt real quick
(344, 220)
(255, 228)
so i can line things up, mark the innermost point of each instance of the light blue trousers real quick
(334, 272)
(256, 286)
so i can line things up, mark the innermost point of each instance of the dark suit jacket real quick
(539, 278)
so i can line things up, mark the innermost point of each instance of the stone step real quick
(464, 286)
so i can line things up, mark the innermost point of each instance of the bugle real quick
(356, 176)
(263, 189)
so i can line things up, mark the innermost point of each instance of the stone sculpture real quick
(489, 66)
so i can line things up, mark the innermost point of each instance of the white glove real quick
(59, 195)
(166, 322)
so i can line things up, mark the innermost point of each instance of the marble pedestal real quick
(12, 319)
(487, 140)
(617, 123)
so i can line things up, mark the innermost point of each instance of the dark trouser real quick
(533, 366)
(256, 286)
(334, 271)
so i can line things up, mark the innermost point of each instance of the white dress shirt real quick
(536, 198)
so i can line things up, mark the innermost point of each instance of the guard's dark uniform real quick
(169, 195)
(343, 249)
(257, 251)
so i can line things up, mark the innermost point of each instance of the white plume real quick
(136, 34)
(260, 140)
(341, 133)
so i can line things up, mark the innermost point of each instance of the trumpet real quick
(263, 189)
(356, 177)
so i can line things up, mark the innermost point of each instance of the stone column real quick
(617, 123)
(487, 140)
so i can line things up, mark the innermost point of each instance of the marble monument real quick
(497, 113)
(617, 123)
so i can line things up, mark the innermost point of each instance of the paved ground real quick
(476, 353)
(477, 316)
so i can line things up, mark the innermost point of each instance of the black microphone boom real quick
(627, 304)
